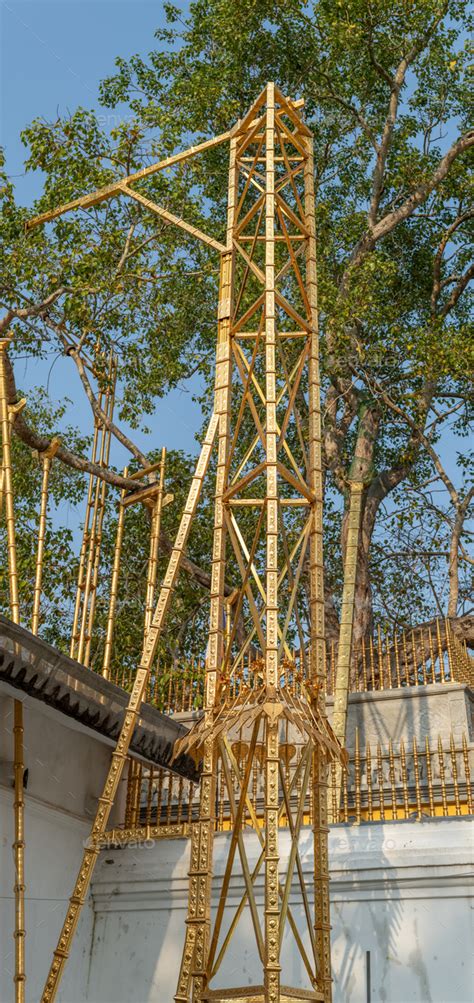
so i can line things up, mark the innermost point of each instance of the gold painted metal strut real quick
(317, 645)
(89, 563)
(88, 201)
(19, 934)
(114, 583)
(285, 509)
(106, 799)
(46, 459)
(154, 544)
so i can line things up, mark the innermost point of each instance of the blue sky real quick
(53, 56)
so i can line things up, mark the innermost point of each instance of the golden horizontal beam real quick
(144, 471)
(145, 494)
(169, 217)
(109, 191)
(121, 837)
(261, 334)
(277, 237)
(277, 160)
(284, 502)
(256, 994)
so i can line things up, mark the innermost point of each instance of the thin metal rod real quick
(114, 585)
(236, 814)
(8, 486)
(97, 539)
(154, 544)
(119, 755)
(294, 843)
(19, 933)
(84, 546)
(169, 217)
(87, 201)
(19, 853)
(47, 459)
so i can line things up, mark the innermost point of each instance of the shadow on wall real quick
(400, 916)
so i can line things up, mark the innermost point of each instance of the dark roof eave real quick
(42, 672)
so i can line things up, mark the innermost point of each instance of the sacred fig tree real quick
(385, 95)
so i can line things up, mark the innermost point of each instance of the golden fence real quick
(412, 658)
(413, 780)
(430, 654)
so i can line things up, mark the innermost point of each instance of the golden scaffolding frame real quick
(6, 417)
(268, 386)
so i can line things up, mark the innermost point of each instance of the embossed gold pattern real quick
(268, 521)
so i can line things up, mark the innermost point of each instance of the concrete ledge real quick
(37, 669)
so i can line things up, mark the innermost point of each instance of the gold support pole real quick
(119, 755)
(154, 544)
(344, 651)
(109, 637)
(8, 485)
(84, 549)
(194, 965)
(19, 769)
(47, 459)
(88, 574)
(272, 965)
(322, 926)
(90, 601)
(95, 540)
(19, 853)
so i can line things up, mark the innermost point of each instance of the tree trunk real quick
(362, 471)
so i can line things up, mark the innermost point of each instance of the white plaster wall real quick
(54, 848)
(399, 891)
(66, 770)
(412, 712)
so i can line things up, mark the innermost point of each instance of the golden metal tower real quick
(268, 545)
(268, 516)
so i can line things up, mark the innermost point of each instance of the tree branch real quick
(41, 443)
(381, 229)
(100, 414)
(458, 290)
(396, 83)
(438, 258)
(34, 310)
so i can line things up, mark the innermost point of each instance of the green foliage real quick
(149, 291)
(66, 492)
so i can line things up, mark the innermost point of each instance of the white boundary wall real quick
(53, 855)
(399, 891)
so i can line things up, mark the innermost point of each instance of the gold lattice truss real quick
(265, 434)
(268, 525)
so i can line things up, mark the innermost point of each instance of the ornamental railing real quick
(431, 654)
(408, 780)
